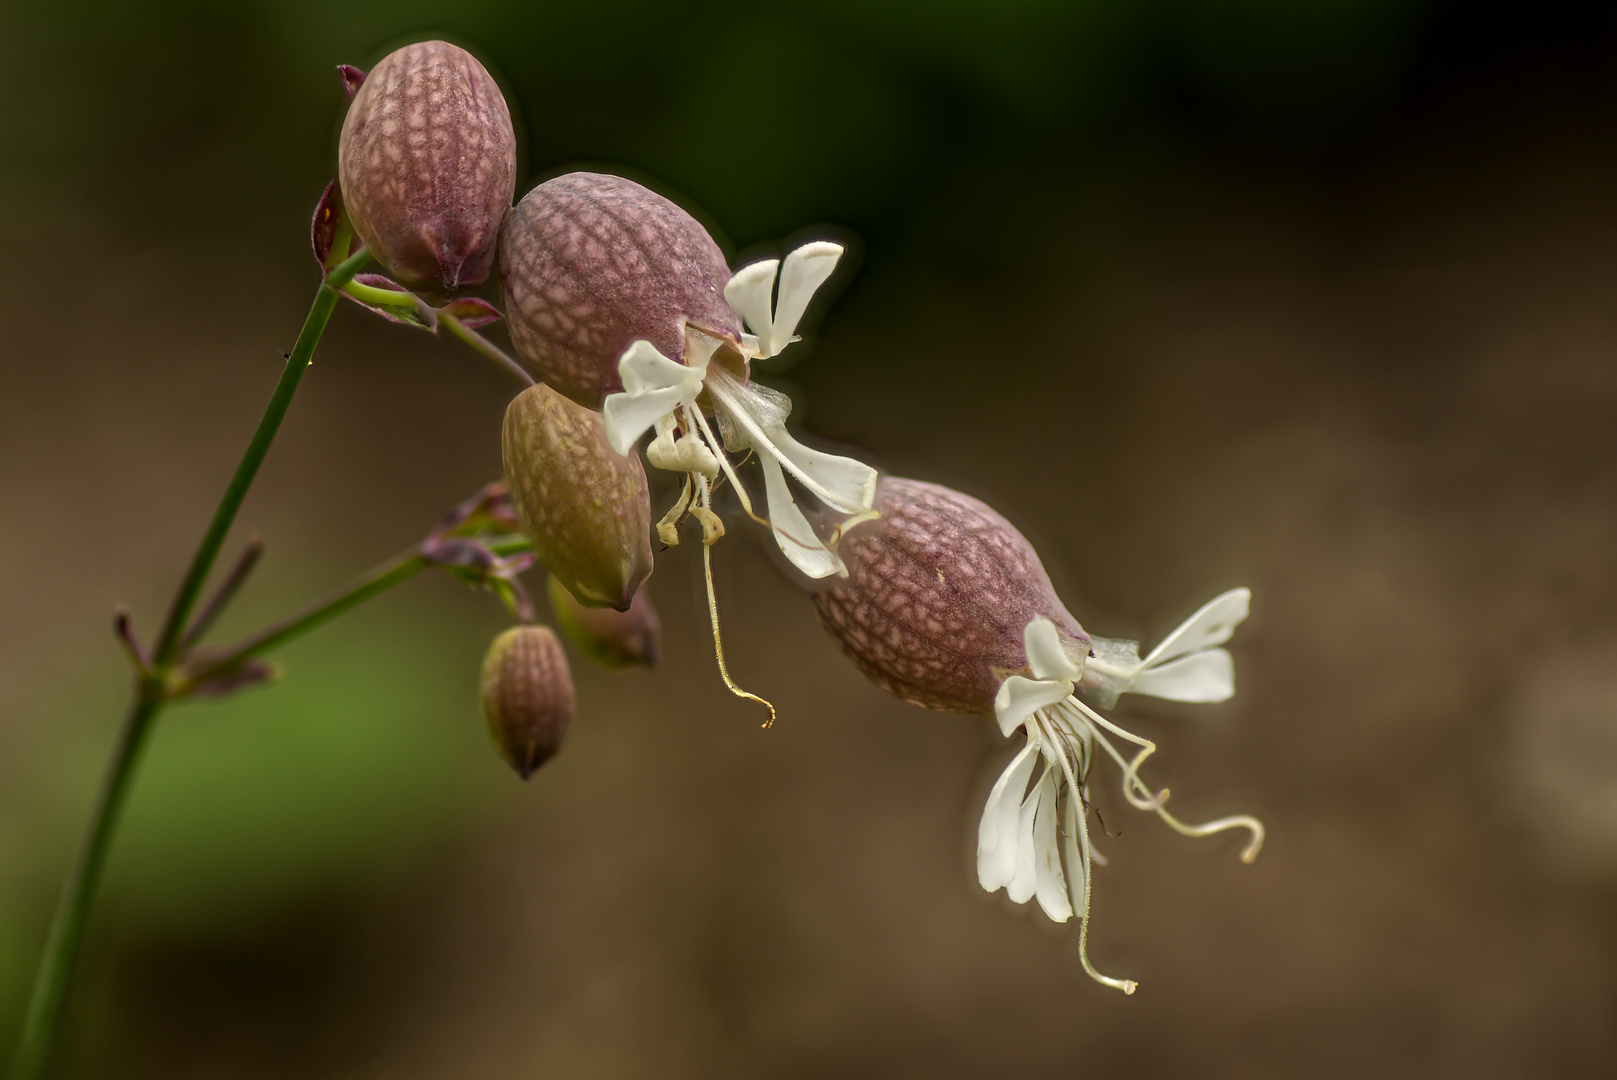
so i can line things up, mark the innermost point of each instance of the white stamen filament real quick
(694, 417)
(1141, 794)
(1131, 769)
(713, 607)
(1059, 735)
(1064, 733)
(726, 398)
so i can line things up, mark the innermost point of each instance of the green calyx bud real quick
(614, 639)
(586, 508)
(527, 696)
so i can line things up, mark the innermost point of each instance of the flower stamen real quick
(705, 512)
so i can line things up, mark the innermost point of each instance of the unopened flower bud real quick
(614, 639)
(427, 164)
(591, 263)
(586, 508)
(527, 696)
(939, 591)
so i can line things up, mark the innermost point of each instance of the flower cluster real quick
(638, 329)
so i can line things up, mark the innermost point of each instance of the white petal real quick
(1044, 652)
(1210, 626)
(643, 369)
(628, 416)
(1208, 675)
(852, 484)
(1025, 881)
(750, 292)
(1020, 697)
(997, 832)
(796, 538)
(1052, 887)
(805, 271)
(1075, 865)
(756, 420)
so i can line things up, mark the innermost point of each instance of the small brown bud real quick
(427, 164)
(614, 639)
(939, 592)
(591, 263)
(585, 507)
(527, 696)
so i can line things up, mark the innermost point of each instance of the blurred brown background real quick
(1316, 297)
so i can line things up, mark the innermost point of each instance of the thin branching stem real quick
(483, 345)
(66, 932)
(224, 594)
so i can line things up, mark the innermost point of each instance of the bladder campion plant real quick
(635, 325)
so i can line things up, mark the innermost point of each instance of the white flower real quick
(662, 393)
(1034, 842)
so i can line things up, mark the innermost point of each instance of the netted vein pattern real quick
(938, 593)
(427, 164)
(586, 507)
(592, 263)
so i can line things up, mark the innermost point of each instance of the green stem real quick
(381, 578)
(486, 347)
(370, 294)
(297, 362)
(73, 910)
(72, 913)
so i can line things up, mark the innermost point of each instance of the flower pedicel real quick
(947, 606)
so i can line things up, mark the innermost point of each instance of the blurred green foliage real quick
(768, 116)
(371, 754)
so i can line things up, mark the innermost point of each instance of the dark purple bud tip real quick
(474, 313)
(591, 263)
(527, 696)
(614, 639)
(586, 508)
(939, 593)
(352, 79)
(427, 163)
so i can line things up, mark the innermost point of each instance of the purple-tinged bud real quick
(939, 592)
(427, 163)
(352, 79)
(591, 263)
(585, 507)
(614, 639)
(527, 696)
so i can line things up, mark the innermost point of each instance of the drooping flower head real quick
(623, 302)
(427, 165)
(947, 606)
